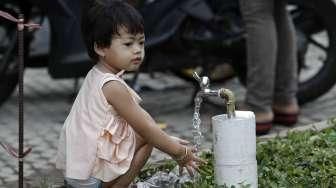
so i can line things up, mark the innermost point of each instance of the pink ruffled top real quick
(95, 141)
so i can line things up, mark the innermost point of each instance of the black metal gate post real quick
(20, 96)
(21, 153)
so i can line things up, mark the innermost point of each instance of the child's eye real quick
(142, 43)
(128, 44)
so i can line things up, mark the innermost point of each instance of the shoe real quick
(288, 119)
(263, 127)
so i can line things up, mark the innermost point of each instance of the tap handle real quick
(203, 81)
(198, 78)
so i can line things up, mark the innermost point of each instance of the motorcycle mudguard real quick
(169, 24)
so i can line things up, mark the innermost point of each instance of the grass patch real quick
(302, 159)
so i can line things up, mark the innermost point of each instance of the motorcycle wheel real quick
(316, 34)
(316, 41)
(317, 50)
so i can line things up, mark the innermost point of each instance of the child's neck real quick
(107, 69)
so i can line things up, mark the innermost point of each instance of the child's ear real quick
(98, 50)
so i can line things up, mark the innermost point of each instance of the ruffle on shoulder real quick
(116, 141)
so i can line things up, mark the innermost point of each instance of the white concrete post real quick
(235, 149)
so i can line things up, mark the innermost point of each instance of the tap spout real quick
(230, 101)
(208, 92)
(226, 94)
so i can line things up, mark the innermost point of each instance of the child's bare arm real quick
(119, 97)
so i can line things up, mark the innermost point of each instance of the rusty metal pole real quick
(20, 35)
(20, 97)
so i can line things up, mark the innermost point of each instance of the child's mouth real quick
(136, 60)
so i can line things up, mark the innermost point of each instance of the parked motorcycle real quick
(185, 34)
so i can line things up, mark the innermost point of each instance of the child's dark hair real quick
(102, 19)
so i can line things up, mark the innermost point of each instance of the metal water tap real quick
(223, 93)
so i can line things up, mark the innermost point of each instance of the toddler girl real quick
(108, 137)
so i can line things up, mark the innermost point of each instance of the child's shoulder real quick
(115, 86)
(103, 77)
(117, 93)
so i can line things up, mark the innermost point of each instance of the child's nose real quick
(137, 49)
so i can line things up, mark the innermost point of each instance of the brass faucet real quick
(225, 94)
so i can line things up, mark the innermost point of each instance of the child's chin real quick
(134, 68)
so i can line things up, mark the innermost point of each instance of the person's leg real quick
(88, 183)
(141, 155)
(286, 68)
(261, 56)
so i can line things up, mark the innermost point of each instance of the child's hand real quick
(180, 141)
(189, 161)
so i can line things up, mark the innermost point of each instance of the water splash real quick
(197, 134)
(166, 180)
(172, 179)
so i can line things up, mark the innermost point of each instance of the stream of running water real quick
(197, 134)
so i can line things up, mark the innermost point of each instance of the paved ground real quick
(48, 102)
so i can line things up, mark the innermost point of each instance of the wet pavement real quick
(48, 101)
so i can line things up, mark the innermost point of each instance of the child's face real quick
(126, 52)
